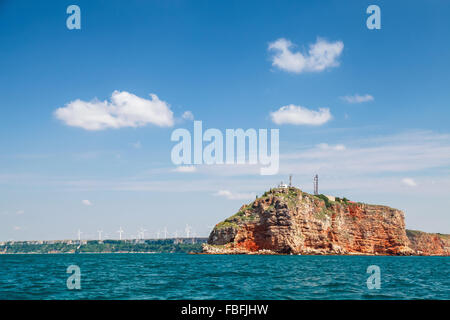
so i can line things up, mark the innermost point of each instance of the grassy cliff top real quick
(417, 233)
(289, 194)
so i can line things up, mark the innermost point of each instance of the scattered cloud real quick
(325, 146)
(234, 196)
(124, 110)
(20, 212)
(409, 182)
(321, 55)
(299, 115)
(358, 98)
(17, 228)
(136, 145)
(185, 169)
(86, 202)
(188, 115)
(368, 164)
(391, 154)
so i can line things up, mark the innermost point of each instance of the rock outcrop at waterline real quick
(289, 221)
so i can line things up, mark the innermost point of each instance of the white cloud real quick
(124, 110)
(321, 55)
(188, 115)
(185, 169)
(326, 146)
(86, 202)
(409, 182)
(368, 164)
(20, 212)
(358, 98)
(136, 145)
(299, 115)
(234, 196)
(406, 152)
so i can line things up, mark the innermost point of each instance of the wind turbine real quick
(120, 231)
(165, 232)
(187, 230)
(100, 234)
(142, 233)
(157, 234)
(79, 234)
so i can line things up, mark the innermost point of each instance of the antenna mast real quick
(316, 185)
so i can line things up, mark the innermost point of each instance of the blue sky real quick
(213, 59)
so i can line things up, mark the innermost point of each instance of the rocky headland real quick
(290, 221)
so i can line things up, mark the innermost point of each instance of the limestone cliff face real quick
(429, 243)
(287, 220)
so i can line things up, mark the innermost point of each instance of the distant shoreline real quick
(49, 253)
(223, 254)
(148, 246)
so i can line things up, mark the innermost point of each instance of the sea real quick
(197, 276)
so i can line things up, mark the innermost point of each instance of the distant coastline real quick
(145, 246)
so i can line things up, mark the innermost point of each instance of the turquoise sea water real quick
(183, 276)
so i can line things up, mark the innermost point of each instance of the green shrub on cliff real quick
(325, 199)
(226, 224)
(245, 214)
(342, 200)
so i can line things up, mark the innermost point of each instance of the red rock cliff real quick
(287, 220)
(429, 243)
